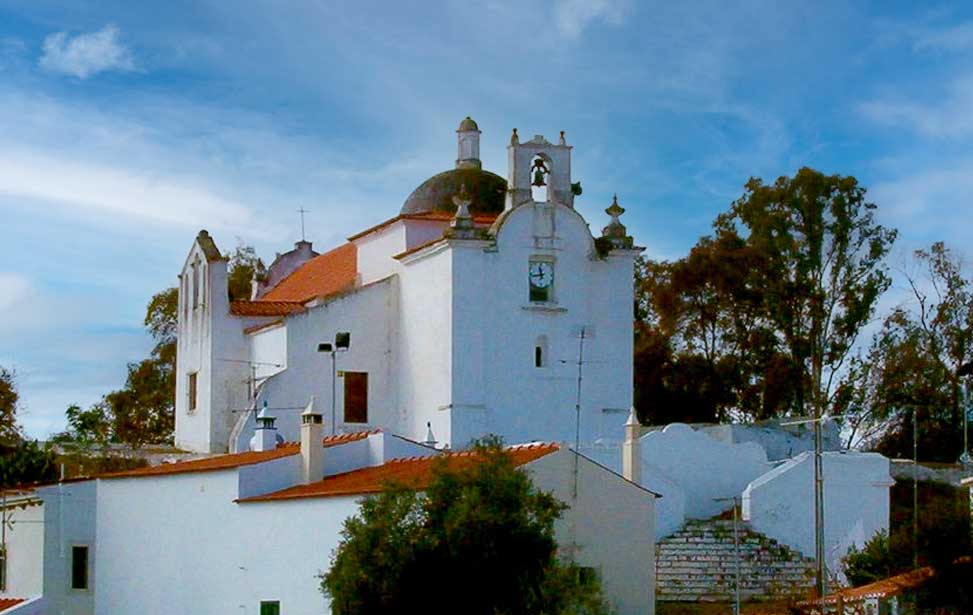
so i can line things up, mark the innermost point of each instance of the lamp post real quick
(966, 370)
(342, 342)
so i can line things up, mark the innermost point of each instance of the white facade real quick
(185, 543)
(441, 320)
(780, 503)
(23, 541)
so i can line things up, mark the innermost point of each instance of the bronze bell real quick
(538, 178)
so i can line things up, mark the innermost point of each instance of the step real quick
(700, 563)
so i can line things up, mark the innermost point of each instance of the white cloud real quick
(948, 117)
(13, 289)
(573, 16)
(85, 55)
(929, 205)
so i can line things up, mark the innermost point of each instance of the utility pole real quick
(821, 569)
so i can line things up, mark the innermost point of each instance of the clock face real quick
(541, 274)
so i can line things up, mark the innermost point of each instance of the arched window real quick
(540, 351)
(540, 178)
(195, 284)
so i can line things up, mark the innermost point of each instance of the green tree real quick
(913, 365)
(27, 463)
(943, 537)
(9, 429)
(86, 427)
(482, 531)
(821, 275)
(243, 262)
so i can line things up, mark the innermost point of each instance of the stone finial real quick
(514, 139)
(462, 225)
(615, 232)
(562, 141)
(632, 449)
(430, 438)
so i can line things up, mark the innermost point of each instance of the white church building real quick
(465, 314)
(485, 306)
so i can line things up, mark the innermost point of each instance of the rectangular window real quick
(3, 569)
(270, 607)
(79, 567)
(356, 397)
(192, 392)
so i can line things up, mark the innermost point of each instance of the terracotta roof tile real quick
(327, 274)
(9, 603)
(235, 460)
(265, 308)
(413, 472)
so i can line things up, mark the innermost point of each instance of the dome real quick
(467, 124)
(488, 191)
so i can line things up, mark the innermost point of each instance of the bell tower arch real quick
(539, 163)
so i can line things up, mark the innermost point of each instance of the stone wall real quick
(698, 563)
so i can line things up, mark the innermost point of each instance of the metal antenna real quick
(303, 211)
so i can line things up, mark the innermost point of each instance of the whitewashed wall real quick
(780, 503)
(25, 547)
(424, 356)
(496, 387)
(369, 314)
(206, 554)
(69, 519)
(612, 524)
(703, 468)
(268, 351)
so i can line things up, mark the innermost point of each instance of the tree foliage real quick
(913, 365)
(243, 263)
(943, 537)
(26, 463)
(481, 536)
(759, 319)
(9, 429)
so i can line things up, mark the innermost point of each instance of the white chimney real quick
(312, 444)
(632, 450)
(265, 434)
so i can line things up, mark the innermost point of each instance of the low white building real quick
(21, 548)
(238, 532)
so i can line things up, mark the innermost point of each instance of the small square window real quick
(270, 607)
(79, 567)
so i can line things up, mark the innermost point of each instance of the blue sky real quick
(125, 127)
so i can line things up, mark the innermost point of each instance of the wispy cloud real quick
(573, 16)
(13, 288)
(952, 38)
(947, 117)
(85, 55)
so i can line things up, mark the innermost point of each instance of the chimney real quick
(265, 434)
(632, 450)
(312, 444)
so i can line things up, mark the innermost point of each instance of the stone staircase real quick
(697, 563)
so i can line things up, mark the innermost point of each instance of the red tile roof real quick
(234, 460)
(892, 586)
(412, 472)
(9, 603)
(265, 308)
(327, 274)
